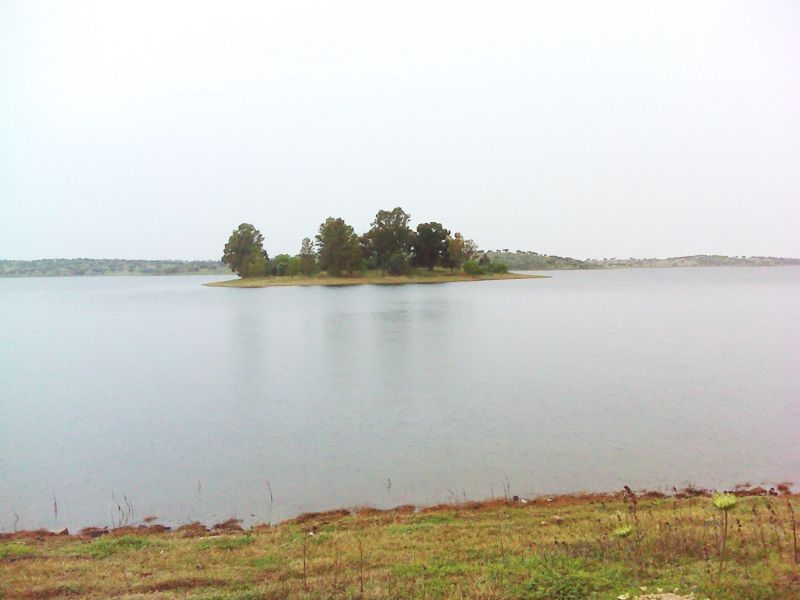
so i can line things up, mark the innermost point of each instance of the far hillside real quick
(521, 260)
(533, 261)
(66, 267)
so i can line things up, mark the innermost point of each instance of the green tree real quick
(339, 248)
(244, 253)
(280, 264)
(293, 266)
(389, 235)
(470, 249)
(455, 251)
(430, 244)
(498, 267)
(308, 257)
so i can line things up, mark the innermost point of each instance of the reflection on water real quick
(196, 401)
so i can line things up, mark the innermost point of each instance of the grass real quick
(371, 278)
(107, 546)
(227, 542)
(14, 550)
(560, 548)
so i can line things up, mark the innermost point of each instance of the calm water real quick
(189, 399)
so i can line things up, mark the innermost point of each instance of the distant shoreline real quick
(263, 282)
(533, 261)
(515, 261)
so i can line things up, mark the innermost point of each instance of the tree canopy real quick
(339, 248)
(390, 245)
(455, 251)
(390, 236)
(244, 253)
(430, 244)
(308, 257)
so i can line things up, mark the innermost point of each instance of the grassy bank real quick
(369, 279)
(575, 547)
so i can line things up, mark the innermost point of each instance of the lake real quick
(199, 403)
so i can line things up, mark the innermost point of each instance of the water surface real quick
(195, 401)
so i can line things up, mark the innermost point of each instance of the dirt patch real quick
(756, 491)
(321, 517)
(653, 495)
(369, 511)
(230, 525)
(89, 533)
(183, 583)
(139, 530)
(195, 529)
(51, 592)
(35, 534)
(691, 492)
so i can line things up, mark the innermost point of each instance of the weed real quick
(623, 532)
(723, 502)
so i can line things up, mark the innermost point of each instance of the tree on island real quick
(285, 265)
(244, 253)
(390, 246)
(389, 239)
(470, 249)
(308, 258)
(430, 245)
(455, 251)
(339, 248)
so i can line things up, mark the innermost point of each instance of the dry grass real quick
(370, 279)
(546, 548)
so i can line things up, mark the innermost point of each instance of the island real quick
(370, 278)
(389, 253)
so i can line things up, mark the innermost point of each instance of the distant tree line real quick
(390, 246)
(521, 260)
(69, 267)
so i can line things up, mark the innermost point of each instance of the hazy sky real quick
(588, 129)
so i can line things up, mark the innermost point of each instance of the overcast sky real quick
(587, 129)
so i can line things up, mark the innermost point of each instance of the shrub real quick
(623, 532)
(472, 268)
(498, 267)
(293, 267)
(280, 264)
